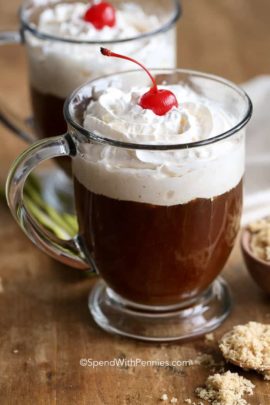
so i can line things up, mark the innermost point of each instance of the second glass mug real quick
(158, 261)
(52, 60)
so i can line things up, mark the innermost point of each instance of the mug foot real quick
(116, 315)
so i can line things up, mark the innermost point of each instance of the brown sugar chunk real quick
(225, 389)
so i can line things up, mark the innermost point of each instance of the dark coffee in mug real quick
(158, 255)
(49, 120)
(44, 106)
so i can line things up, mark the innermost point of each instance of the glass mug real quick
(52, 60)
(158, 261)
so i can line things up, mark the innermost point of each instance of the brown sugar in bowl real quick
(259, 269)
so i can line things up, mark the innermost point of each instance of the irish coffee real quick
(158, 162)
(159, 255)
(160, 225)
(57, 67)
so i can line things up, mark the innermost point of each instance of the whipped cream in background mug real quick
(57, 68)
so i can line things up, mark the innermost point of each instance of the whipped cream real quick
(57, 68)
(118, 114)
(159, 177)
(65, 20)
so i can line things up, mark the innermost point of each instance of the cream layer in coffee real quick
(57, 68)
(159, 177)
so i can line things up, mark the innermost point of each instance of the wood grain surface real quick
(45, 326)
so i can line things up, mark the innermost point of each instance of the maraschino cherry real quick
(160, 101)
(101, 15)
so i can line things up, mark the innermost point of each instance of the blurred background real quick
(226, 37)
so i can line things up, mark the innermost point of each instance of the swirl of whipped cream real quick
(158, 177)
(119, 115)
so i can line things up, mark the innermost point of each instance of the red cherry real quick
(160, 101)
(101, 15)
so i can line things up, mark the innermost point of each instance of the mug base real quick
(175, 323)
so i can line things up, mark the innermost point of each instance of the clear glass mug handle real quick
(69, 252)
(19, 126)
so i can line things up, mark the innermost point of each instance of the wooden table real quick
(45, 327)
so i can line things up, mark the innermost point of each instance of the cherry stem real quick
(107, 52)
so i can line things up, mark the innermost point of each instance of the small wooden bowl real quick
(258, 268)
